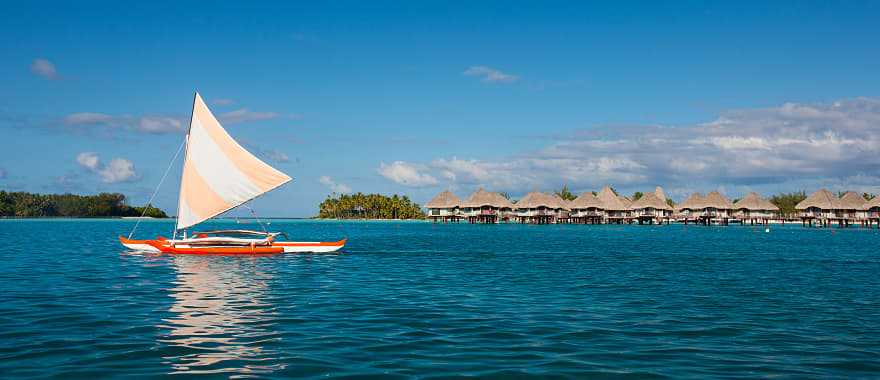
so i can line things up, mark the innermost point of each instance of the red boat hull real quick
(164, 246)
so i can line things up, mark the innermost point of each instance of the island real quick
(31, 205)
(369, 206)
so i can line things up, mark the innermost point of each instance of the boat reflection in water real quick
(221, 320)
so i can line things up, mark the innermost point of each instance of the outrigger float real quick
(220, 175)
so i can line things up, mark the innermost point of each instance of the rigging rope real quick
(254, 213)
(150, 202)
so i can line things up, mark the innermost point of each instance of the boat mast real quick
(185, 155)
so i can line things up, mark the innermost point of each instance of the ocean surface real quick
(419, 300)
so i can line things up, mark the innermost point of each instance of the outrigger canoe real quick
(191, 247)
(220, 175)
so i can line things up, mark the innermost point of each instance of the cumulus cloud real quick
(117, 170)
(406, 174)
(88, 160)
(339, 188)
(490, 75)
(244, 115)
(789, 147)
(44, 68)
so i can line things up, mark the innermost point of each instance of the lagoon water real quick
(412, 299)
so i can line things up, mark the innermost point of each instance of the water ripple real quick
(416, 300)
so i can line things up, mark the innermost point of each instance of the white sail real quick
(218, 173)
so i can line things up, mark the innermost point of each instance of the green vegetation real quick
(670, 202)
(637, 195)
(29, 205)
(566, 194)
(787, 201)
(369, 206)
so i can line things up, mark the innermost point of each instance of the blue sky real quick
(417, 97)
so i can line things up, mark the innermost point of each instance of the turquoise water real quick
(421, 300)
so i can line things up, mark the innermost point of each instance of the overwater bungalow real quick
(652, 208)
(444, 207)
(538, 208)
(872, 210)
(690, 209)
(716, 209)
(486, 207)
(821, 208)
(587, 209)
(563, 210)
(754, 209)
(616, 208)
(852, 206)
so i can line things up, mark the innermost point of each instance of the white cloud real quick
(44, 68)
(159, 124)
(790, 147)
(88, 160)
(406, 174)
(244, 115)
(335, 187)
(107, 125)
(118, 170)
(88, 118)
(490, 75)
(101, 123)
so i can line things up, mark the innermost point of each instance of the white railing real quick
(581, 214)
(527, 213)
(443, 212)
(754, 214)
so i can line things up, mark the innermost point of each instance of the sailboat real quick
(220, 175)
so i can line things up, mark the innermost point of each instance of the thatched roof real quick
(693, 202)
(852, 201)
(650, 200)
(444, 200)
(658, 191)
(873, 203)
(485, 198)
(610, 201)
(753, 201)
(585, 201)
(718, 201)
(563, 203)
(822, 199)
(537, 199)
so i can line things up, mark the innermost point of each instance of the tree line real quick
(31, 205)
(369, 206)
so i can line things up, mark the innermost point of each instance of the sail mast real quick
(185, 155)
